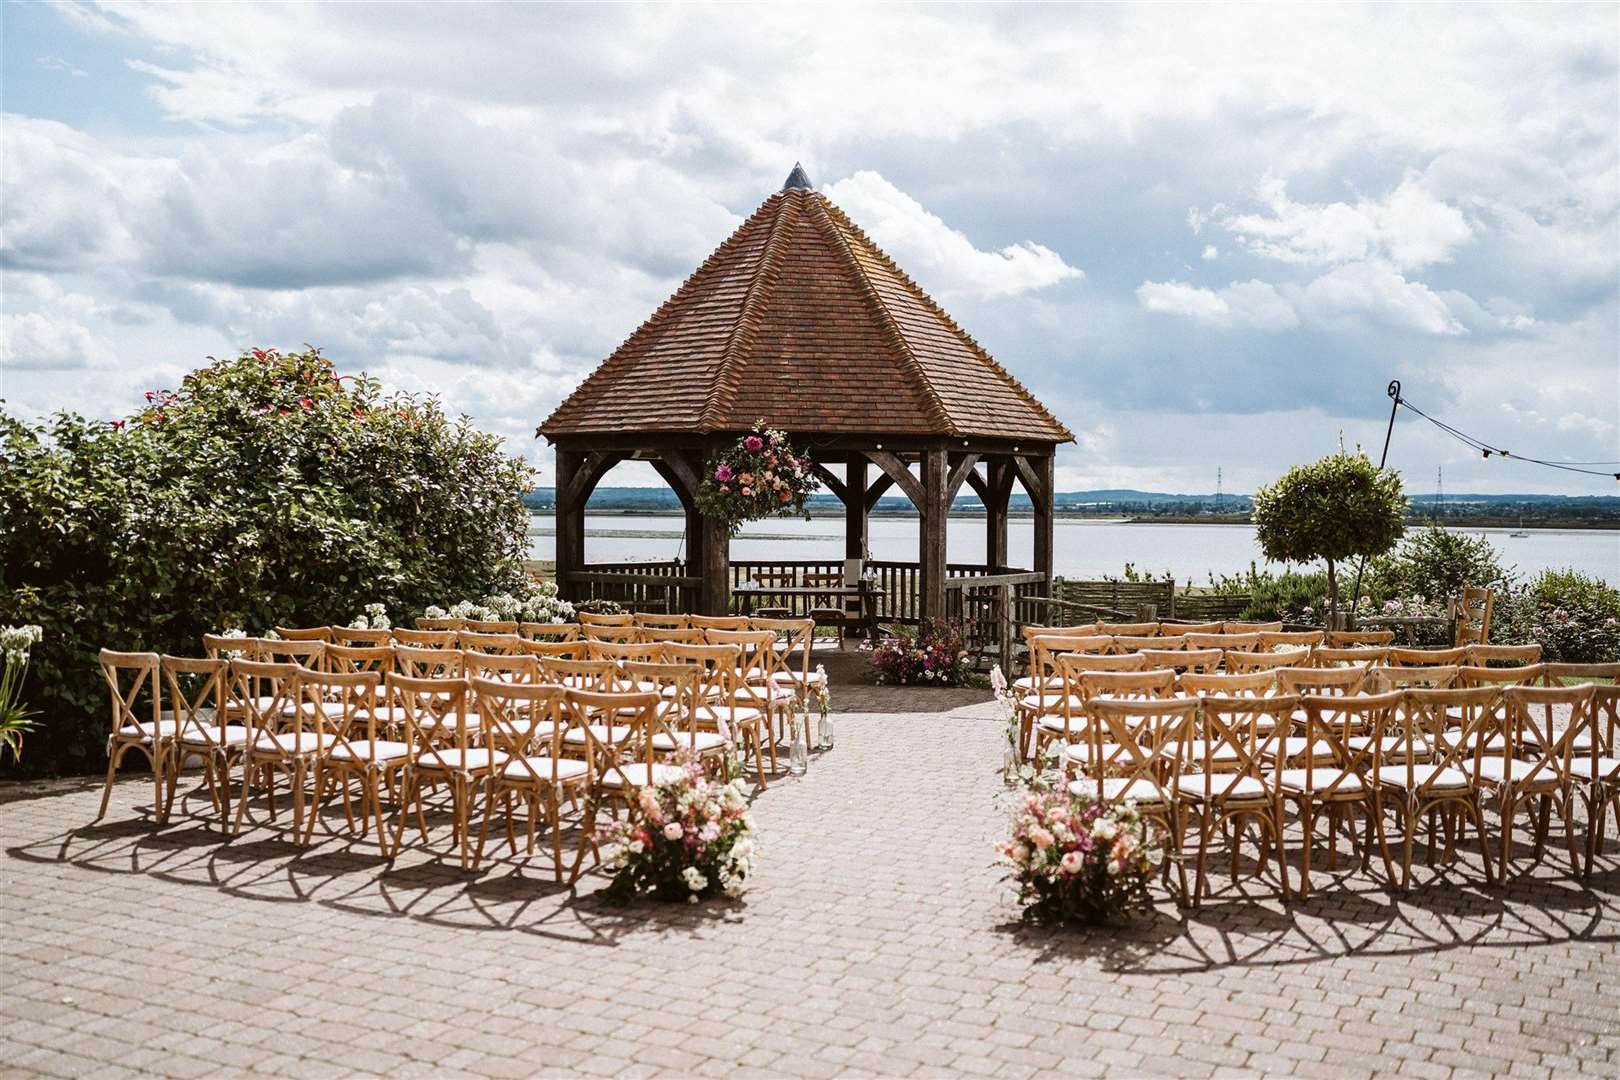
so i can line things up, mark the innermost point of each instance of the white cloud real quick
(1211, 253)
(1245, 304)
(940, 257)
(1379, 292)
(56, 63)
(35, 341)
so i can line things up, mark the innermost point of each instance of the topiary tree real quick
(266, 489)
(1342, 507)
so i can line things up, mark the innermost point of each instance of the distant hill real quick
(1130, 502)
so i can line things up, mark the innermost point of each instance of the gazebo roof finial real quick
(798, 180)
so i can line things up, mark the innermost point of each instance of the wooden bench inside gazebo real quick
(799, 320)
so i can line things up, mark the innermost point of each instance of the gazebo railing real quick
(637, 586)
(990, 608)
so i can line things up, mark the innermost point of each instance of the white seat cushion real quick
(1055, 724)
(1433, 777)
(1119, 789)
(635, 775)
(566, 768)
(1319, 780)
(469, 760)
(212, 735)
(796, 677)
(705, 741)
(165, 727)
(1391, 744)
(1046, 704)
(1498, 770)
(379, 750)
(289, 742)
(613, 734)
(1030, 683)
(1222, 786)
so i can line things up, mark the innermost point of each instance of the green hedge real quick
(264, 490)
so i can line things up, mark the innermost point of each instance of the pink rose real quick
(748, 491)
(1072, 862)
(723, 473)
(753, 444)
(673, 831)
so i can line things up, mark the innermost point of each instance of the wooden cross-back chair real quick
(304, 633)
(490, 626)
(1505, 655)
(721, 708)
(1062, 714)
(195, 689)
(1343, 783)
(676, 685)
(617, 651)
(1184, 628)
(558, 650)
(355, 637)
(1237, 626)
(719, 622)
(1034, 677)
(621, 755)
(589, 619)
(527, 724)
(1223, 684)
(1165, 643)
(1354, 655)
(1388, 677)
(283, 734)
(448, 622)
(1285, 639)
(349, 659)
(351, 748)
(1083, 681)
(1535, 765)
(136, 696)
(1428, 751)
(616, 635)
(1196, 660)
(1345, 639)
(1595, 759)
(1239, 661)
(309, 654)
(501, 667)
(1473, 610)
(795, 641)
(435, 721)
(499, 644)
(1228, 776)
(1224, 641)
(1128, 629)
(1417, 657)
(656, 621)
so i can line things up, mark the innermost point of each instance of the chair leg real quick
(323, 776)
(114, 756)
(489, 812)
(374, 782)
(1383, 838)
(1307, 829)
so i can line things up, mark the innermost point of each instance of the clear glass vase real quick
(824, 732)
(798, 752)
(1009, 765)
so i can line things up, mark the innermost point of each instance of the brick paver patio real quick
(876, 939)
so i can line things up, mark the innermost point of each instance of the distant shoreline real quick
(1455, 524)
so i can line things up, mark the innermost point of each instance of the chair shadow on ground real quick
(1445, 908)
(349, 873)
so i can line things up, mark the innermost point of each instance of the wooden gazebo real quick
(798, 319)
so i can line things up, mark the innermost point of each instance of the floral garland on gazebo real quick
(759, 476)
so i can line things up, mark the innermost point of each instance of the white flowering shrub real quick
(531, 601)
(689, 840)
(15, 720)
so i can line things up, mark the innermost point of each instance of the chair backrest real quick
(1342, 723)
(681, 635)
(560, 650)
(1126, 643)
(1509, 655)
(717, 667)
(1033, 631)
(677, 688)
(267, 695)
(1236, 745)
(1345, 639)
(217, 646)
(757, 659)
(620, 635)
(1073, 667)
(346, 659)
(444, 638)
(1441, 729)
(1403, 658)
(1539, 732)
(304, 633)
(643, 651)
(592, 618)
(1133, 746)
(433, 716)
(1192, 627)
(341, 706)
(578, 674)
(629, 739)
(1240, 627)
(1474, 608)
(132, 677)
(495, 644)
(1527, 675)
(1225, 642)
(719, 622)
(556, 631)
(655, 620)
(528, 723)
(1359, 655)
(1220, 684)
(444, 623)
(1158, 683)
(1289, 639)
(491, 626)
(350, 635)
(418, 663)
(1380, 679)
(1182, 659)
(309, 654)
(195, 689)
(1556, 673)
(501, 667)
(1239, 661)
(1128, 629)
(1321, 682)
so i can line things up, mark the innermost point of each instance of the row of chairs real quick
(392, 717)
(1217, 765)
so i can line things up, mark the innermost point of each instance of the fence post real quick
(1004, 627)
(1147, 612)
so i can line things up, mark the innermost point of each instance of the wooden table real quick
(843, 593)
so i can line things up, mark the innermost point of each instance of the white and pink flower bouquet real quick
(760, 476)
(689, 839)
(1076, 860)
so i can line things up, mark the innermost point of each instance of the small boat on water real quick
(1520, 534)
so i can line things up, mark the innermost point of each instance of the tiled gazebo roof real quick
(799, 319)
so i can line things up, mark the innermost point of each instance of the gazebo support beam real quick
(855, 508)
(577, 476)
(934, 507)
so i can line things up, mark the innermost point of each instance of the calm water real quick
(1084, 549)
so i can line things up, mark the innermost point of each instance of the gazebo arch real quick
(799, 320)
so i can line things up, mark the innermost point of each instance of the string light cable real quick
(1487, 450)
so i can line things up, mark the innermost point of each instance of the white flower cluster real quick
(15, 641)
(375, 618)
(535, 601)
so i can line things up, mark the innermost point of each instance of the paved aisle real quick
(875, 940)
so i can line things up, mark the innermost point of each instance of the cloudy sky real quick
(1205, 236)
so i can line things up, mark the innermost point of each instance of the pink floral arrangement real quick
(687, 840)
(1075, 860)
(760, 476)
(930, 655)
